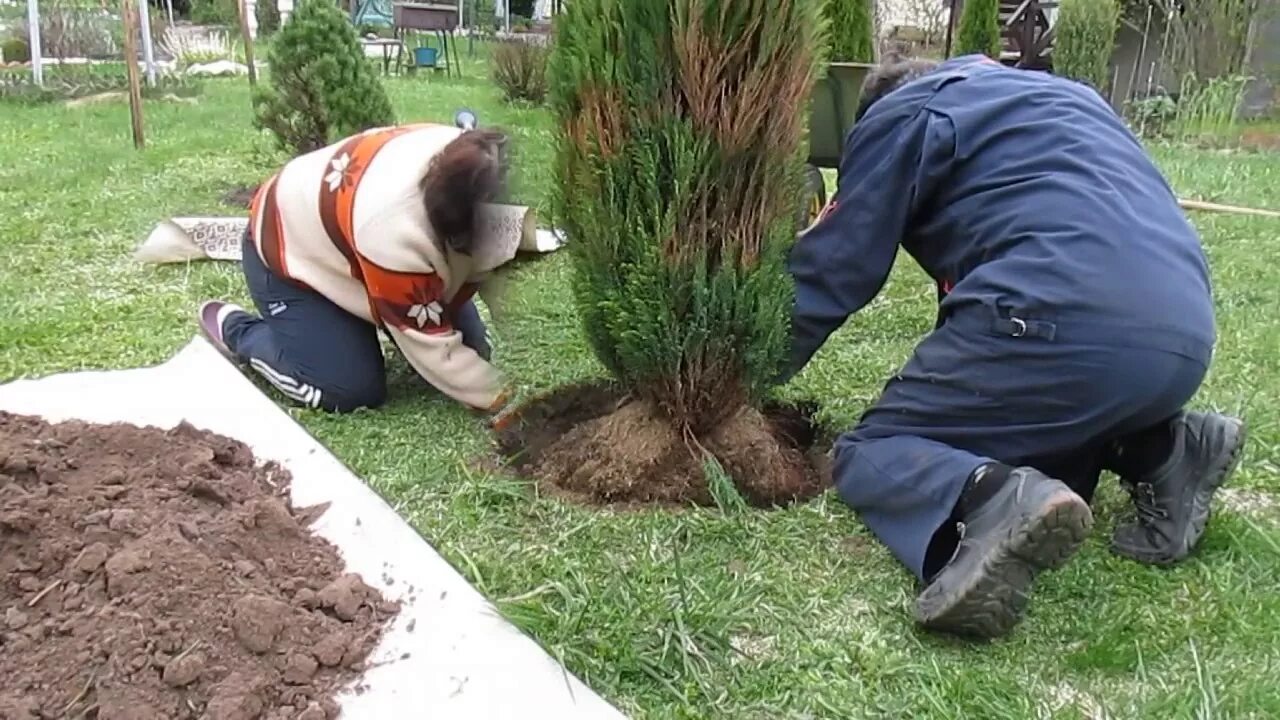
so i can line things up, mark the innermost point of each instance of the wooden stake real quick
(129, 15)
(1231, 209)
(248, 44)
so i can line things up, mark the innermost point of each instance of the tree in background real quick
(522, 8)
(322, 89)
(1209, 38)
(677, 175)
(1084, 40)
(850, 30)
(979, 29)
(520, 70)
(267, 13)
(215, 12)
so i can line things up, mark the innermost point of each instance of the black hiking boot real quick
(1031, 523)
(1172, 502)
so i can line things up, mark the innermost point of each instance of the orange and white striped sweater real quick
(348, 222)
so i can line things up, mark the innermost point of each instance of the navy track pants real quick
(314, 352)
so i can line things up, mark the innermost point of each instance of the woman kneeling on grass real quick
(375, 231)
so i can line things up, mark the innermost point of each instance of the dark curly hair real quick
(469, 171)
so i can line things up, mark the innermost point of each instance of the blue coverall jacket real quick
(1075, 296)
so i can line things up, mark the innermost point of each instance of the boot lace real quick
(1150, 514)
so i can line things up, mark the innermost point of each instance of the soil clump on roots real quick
(149, 574)
(593, 444)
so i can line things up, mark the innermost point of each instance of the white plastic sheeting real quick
(448, 654)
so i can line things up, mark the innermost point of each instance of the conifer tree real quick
(979, 29)
(322, 88)
(851, 30)
(1085, 37)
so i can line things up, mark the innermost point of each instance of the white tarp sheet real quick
(464, 661)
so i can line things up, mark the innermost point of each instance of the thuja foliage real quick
(678, 172)
(850, 30)
(1086, 35)
(979, 28)
(322, 89)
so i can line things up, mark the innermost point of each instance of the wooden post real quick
(248, 44)
(129, 15)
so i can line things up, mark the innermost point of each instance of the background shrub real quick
(850, 30)
(1086, 36)
(67, 83)
(1151, 116)
(181, 8)
(521, 8)
(520, 69)
(215, 12)
(15, 50)
(267, 13)
(191, 48)
(322, 89)
(482, 18)
(979, 29)
(70, 29)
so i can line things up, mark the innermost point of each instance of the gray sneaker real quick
(1033, 523)
(1172, 503)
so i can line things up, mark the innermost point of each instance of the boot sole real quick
(992, 601)
(1201, 503)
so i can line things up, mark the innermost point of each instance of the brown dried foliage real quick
(732, 93)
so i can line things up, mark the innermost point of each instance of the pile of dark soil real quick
(147, 574)
(591, 443)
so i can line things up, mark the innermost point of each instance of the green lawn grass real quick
(692, 614)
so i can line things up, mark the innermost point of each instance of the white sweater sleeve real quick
(409, 302)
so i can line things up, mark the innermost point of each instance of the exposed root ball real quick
(590, 444)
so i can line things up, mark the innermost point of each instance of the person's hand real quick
(504, 412)
(504, 418)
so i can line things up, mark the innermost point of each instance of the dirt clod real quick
(183, 670)
(312, 712)
(92, 558)
(329, 650)
(344, 596)
(126, 596)
(299, 668)
(257, 621)
(238, 697)
(124, 520)
(15, 619)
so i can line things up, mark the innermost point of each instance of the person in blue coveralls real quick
(1075, 322)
